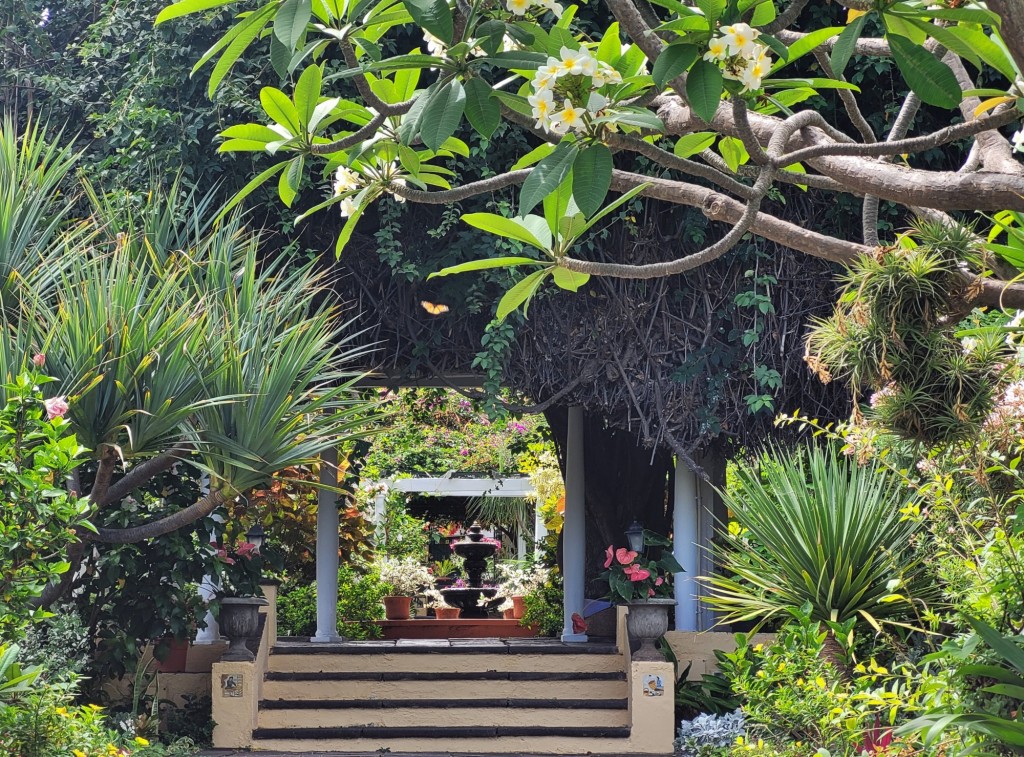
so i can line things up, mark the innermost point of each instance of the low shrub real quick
(709, 735)
(359, 603)
(543, 608)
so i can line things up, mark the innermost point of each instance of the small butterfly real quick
(579, 625)
(433, 309)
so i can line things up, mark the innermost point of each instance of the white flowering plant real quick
(517, 579)
(406, 575)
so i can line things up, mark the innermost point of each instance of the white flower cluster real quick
(348, 181)
(516, 580)
(546, 81)
(520, 7)
(742, 58)
(406, 576)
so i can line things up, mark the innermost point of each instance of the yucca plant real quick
(814, 528)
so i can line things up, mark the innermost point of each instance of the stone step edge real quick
(439, 732)
(483, 675)
(461, 649)
(443, 704)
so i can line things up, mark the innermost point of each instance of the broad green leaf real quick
(433, 15)
(533, 156)
(843, 49)
(307, 94)
(253, 132)
(249, 188)
(482, 111)
(321, 111)
(186, 7)
(610, 48)
(691, 144)
(291, 20)
(704, 88)
(673, 60)
(547, 175)
(280, 109)
(949, 39)
(510, 228)
(712, 9)
(520, 294)
(570, 280)
(764, 13)
(612, 207)
(814, 83)
(638, 117)
(734, 153)
(520, 60)
(807, 44)
(901, 27)
(410, 125)
(289, 181)
(480, 265)
(591, 177)
(442, 113)
(347, 230)
(556, 205)
(931, 79)
(280, 57)
(988, 50)
(243, 35)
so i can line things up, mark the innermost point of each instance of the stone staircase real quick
(476, 695)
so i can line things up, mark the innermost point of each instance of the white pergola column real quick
(540, 531)
(327, 551)
(574, 527)
(686, 545)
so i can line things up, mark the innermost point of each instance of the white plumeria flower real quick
(348, 207)
(435, 46)
(345, 180)
(596, 102)
(756, 69)
(545, 78)
(1018, 141)
(543, 104)
(574, 61)
(518, 7)
(739, 38)
(605, 74)
(508, 44)
(717, 50)
(552, 6)
(570, 117)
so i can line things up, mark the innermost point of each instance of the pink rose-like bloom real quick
(610, 555)
(55, 408)
(246, 550)
(624, 556)
(39, 360)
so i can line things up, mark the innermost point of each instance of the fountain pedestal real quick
(468, 598)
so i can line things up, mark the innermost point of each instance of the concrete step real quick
(440, 662)
(594, 713)
(443, 739)
(443, 686)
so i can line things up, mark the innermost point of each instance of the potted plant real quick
(517, 578)
(240, 597)
(406, 577)
(507, 609)
(644, 584)
(442, 610)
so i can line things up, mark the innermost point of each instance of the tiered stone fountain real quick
(475, 551)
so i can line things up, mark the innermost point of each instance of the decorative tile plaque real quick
(654, 686)
(231, 684)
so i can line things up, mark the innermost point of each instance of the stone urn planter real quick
(447, 613)
(397, 608)
(239, 622)
(647, 622)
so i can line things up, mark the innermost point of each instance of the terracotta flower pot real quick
(647, 622)
(397, 608)
(176, 657)
(509, 614)
(447, 613)
(518, 607)
(240, 621)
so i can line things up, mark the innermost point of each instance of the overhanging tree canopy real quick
(702, 92)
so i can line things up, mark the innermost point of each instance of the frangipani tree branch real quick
(161, 526)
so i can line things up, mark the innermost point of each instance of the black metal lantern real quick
(256, 536)
(635, 536)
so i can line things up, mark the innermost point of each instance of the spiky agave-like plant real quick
(893, 335)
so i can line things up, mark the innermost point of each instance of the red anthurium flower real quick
(246, 549)
(610, 555)
(625, 556)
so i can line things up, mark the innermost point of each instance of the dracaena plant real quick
(813, 528)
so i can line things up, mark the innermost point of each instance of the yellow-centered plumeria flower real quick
(739, 38)
(542, 103)
(717, 50)
(518, 7)
(570, 117)
(577, 62)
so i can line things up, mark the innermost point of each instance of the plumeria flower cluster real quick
(349, 182)
(522, 7)
(741, 57)
(574, 79)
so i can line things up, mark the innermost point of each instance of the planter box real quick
(471, 628)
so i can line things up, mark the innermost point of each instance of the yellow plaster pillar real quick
(235, 703)
(652, 707)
